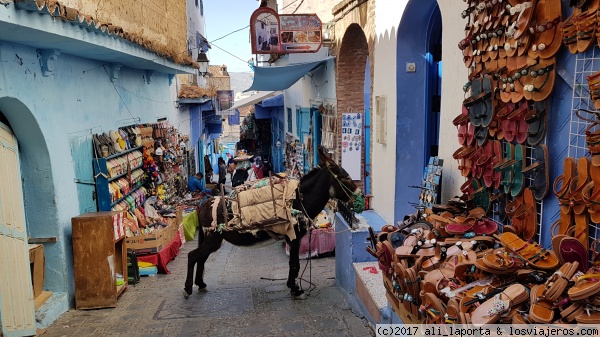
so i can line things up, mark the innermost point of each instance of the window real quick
(201, 7)
(289, 120)
(380, 115)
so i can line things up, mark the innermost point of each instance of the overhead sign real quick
(224, 101)
(229, 112)
(283, 34)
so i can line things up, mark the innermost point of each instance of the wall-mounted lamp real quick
(203, 63)
(278, 144)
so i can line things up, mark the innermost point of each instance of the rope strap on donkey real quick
(359, 198)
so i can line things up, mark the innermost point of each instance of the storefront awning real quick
(258, 97)
(283, 77)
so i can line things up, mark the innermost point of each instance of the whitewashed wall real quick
(454, 77)
(383, 178)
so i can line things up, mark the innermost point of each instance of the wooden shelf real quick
(125, 196)
(125, 173)
(122, 153)
(121, 288)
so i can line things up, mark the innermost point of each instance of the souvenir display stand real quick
(137, 171)
(478, 259)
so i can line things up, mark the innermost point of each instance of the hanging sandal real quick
(562, 190)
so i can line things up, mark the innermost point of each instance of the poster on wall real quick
(352, 144)
(271, 33)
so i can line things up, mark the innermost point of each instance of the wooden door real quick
(16, 294)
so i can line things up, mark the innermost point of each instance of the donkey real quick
(327, 180)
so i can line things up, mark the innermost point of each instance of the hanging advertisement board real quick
(352, 144)
(224, 102)
(284, 34)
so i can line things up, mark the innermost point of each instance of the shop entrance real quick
(418, 88)
(17, 316)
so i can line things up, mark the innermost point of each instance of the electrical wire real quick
(237, 57)
(118, 93)
(237, 30)
(300, 4)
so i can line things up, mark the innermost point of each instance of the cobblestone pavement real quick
(246, 296)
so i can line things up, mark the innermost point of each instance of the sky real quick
(221, 18)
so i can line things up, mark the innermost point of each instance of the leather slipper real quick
(535, 255)
(580, 213)
(539, 172)
(541, 310)
(586, 27)
(557, 283)
(487, 114)
(572, 250)
(571, 311)
(585, 286)
(432, 309)
(385, 257)
(489, 312)
(504, 167)
(570, 31)
(540, 82)
(551, 36)
(474, 103)
(527, 213)
(507, 81)
(461, 122)
(591, 194)
(485, 226)
(537, 119)
(562, 190)
(518, 181)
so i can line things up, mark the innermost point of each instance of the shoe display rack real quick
(478, 258)
(119, 180)
(584, 117)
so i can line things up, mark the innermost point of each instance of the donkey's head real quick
(341, 187)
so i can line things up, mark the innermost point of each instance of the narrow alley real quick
(246, 296)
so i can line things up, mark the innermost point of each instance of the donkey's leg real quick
(295, 265)
(212, 242)
(193, 257)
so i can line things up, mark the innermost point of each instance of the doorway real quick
(16, 295)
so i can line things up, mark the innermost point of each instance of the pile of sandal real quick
(452, 268)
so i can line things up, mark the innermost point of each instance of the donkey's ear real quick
(323, 155)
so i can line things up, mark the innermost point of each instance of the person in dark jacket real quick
(222, 171)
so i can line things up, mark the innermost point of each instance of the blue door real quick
(303, 131)
(316, 132)
(82, 156)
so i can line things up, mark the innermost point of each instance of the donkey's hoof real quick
(202, 290)
(186, 295)
(299, 295)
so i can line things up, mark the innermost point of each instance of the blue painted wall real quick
(412, 105)
(45, 114)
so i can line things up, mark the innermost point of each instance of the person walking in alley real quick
(222, 172)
